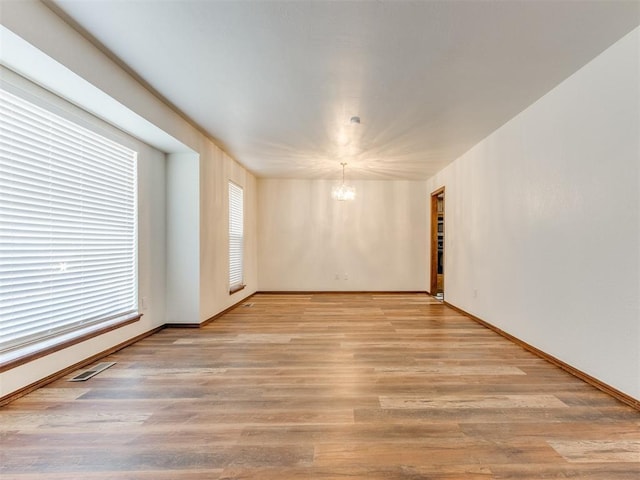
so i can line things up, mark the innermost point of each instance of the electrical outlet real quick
(337, 276)
(475, 293)
(346, 276)
(144, 303)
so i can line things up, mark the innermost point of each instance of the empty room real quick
(320, 239)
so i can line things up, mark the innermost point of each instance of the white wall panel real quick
(543, 222)
(306, 239)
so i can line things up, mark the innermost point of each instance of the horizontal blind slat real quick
(67, 225)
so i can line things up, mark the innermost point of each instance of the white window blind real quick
(236, 235)
(67, 226)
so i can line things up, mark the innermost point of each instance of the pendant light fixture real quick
(343, 192)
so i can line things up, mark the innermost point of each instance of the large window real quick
(67, 227)
(236, 237)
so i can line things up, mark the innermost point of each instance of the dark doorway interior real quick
(437, 243)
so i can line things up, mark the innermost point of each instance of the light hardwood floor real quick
(323, 386)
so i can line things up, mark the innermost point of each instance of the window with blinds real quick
(67, 226)
(236, 237)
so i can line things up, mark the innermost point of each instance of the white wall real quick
(542, 221)
(305, 238)
(109, 92)
(183, 238)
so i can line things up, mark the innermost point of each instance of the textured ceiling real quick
(275, 83)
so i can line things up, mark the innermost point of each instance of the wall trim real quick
(317, 292)
(585, 377)
(433, 237)
(210, 319)
(226, 310)
(51, 346)
(61, 373)
(236, 288)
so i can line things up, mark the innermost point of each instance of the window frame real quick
(236, 246)
(15, 355)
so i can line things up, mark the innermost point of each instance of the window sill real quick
(236, 288)
(28, 353)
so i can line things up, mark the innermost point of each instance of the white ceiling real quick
(275, 83)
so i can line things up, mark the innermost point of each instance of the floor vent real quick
(247, 304)
(81, 377)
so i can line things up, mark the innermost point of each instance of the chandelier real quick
(343, 192)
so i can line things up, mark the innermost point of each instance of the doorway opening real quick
(437, 244)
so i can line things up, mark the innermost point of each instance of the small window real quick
(68, 215)
(236, 237)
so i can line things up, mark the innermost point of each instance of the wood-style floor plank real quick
(327, 387)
